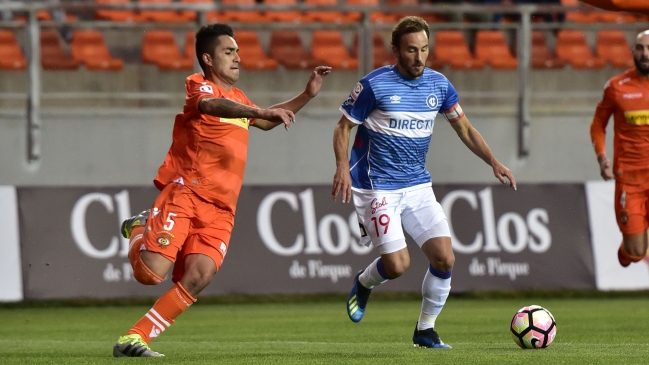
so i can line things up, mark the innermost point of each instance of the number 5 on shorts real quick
(170, 222)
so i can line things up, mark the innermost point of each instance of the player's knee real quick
(143, 274)
(396, 269)
(196, 280)
(444, 263)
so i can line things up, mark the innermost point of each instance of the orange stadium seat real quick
(11, 56)
(613, 47)
(168, 16)
(53, 57)
(46, 15)
(451, 49)
(159, 48)
(580, 16)
(573, 49)
(330, 16)
(616, 17)
(286, 47)
(328, 45)
(541, 57)
(245, 16)
(283, 15)
(251, 53)
(429, 17)
(382, 57)
(191, 15)
(116, 14)
(88, 47)
(491, 47)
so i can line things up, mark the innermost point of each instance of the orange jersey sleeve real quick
(208, 154)
(605, 107)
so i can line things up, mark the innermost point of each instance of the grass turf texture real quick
(601, 330)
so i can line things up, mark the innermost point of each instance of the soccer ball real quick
(533, 327)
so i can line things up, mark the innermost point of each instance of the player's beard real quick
(642, 65)
(411, 71)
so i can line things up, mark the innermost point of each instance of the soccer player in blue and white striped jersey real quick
(394, 108)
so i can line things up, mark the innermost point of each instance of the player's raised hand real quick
(605, 167)
(342, 184)
(503, 174)
(279, 115)
(315, 80)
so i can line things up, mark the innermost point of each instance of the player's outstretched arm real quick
(474, 141)
(342, 180)
(310, 91)
(226, 108)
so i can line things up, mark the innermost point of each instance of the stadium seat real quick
(291, 16)
(573, 49)
(541, 57)
(616, 17)
(116, 14)
(580, 16)
(434, 63)
(286, 47)
(165, 16)
(382, 57)
(613, 47)
(88, 47)
(251, 53)
(330, 16)
(491, 47)
(46, 15)
(190, 15)
(244, 16)
(451, 49)
(328, 45)
(53, 57)
(159, 48)
(11, 56)
(429, 17)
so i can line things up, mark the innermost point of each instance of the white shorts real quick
(381, 214)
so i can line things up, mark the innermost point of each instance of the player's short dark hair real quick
(406, 25)
(207, 39)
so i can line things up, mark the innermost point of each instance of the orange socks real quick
(140, 271)
(170, 305)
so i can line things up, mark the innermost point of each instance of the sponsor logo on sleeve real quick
(206, 89)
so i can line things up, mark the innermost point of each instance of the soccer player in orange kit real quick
(191, 221)
(626, 96)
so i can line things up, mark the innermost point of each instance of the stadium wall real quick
(295, 239)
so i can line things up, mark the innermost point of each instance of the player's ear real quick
(207, 59)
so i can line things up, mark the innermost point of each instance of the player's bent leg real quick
(149, 268)
(632, 249)
(375, 274)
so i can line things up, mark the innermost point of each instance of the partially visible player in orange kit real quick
(191, 221)
(626, 96)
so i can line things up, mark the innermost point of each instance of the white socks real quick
(371, 276)
(435, 290)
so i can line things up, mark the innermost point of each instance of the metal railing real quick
(365, 27)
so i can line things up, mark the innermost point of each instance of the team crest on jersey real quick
(431, 101)
(164, 238)
(206, 89)
(395, 99)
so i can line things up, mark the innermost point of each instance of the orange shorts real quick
(181, 223)
(631, 208)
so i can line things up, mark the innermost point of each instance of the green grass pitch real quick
(589, 331)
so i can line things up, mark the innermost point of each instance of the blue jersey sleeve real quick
(451, 97)
(360, 102)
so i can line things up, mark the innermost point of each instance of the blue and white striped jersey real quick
(395, 116)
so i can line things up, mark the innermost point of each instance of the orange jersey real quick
(208, 154)
(626, 96)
